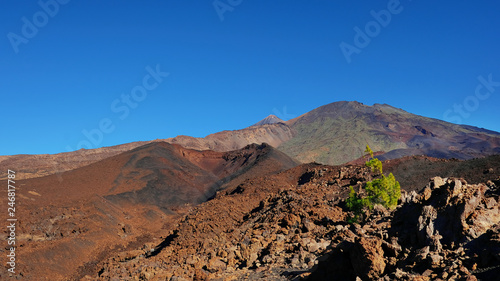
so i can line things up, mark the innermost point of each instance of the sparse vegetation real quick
(373, 162)
(384, 191)
(356, 204)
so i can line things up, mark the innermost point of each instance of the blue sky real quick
(68, 66)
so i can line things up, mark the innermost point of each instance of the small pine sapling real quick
(385, 191)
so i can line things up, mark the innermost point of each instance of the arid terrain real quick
(267, 202)
(293, 227)
(123, 200)
(332, 134)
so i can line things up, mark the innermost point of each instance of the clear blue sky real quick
(232, 66)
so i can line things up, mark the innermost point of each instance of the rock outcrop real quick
(450, 231)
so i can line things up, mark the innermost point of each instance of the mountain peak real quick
(271, 119)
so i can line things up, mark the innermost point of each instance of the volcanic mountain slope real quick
(332, 134)
(271, 133)
(338, 133)
(32, 166)
(292, 226)
(68, 222)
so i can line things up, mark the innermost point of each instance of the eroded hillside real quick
(292, 226)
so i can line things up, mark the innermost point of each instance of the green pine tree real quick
(385, 191)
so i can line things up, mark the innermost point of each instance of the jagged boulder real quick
(448, 211)
(367, 257)
(449, 231)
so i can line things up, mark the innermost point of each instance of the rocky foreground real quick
(292, 226)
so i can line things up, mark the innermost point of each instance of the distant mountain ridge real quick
(332, 134)
(33, 166)
(338, 132)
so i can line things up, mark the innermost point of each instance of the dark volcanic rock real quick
(450, 231)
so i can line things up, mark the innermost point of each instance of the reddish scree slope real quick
(292, 226)
(68, 223)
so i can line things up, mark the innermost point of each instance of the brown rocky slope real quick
(66, 226)
(33, 166)
(292, 226)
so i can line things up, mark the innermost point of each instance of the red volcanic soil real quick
(68, 222)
